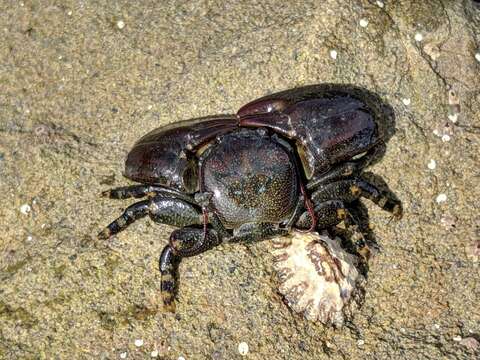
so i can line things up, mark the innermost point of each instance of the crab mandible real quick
(291, 160)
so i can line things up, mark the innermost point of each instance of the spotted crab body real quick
(252, 177)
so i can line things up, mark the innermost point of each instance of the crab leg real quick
(132, 213)
(183, 242)
(331, 213)
(251, 232)
(139, 191)
(328, 214)
(164, 210)
(168, 265)
(310, 209)
(353, 189)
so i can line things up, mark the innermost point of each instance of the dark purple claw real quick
(328, 125)
(165, 155)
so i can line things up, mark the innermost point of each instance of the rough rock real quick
(82, 80)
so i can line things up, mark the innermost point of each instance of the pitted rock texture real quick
(82, 80)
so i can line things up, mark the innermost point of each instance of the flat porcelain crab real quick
(289, 161)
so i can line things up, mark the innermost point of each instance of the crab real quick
(285, 162)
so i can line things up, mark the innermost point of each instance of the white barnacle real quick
(363, 23)
(317, 277)
(138, 342)
(418, 37)
(25, 209)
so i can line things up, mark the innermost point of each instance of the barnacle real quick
(317, 276)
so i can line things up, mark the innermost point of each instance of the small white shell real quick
(317, 277)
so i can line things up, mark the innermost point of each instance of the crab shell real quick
(317, 277)
(327, 123)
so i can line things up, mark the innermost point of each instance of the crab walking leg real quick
(168, 265)
(184, 242)
(132, 213)
(331, 213)
(328, 213)
(353, 189)
(139, 191)
(251, 232)
(342, 171)
(164, 210)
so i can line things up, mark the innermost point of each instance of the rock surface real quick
(81, 81)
